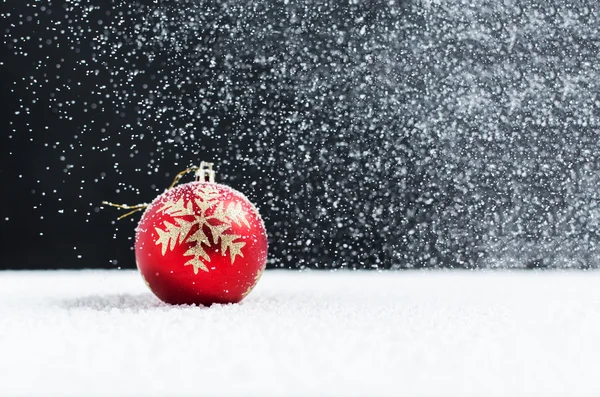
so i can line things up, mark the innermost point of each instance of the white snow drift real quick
(304, 334)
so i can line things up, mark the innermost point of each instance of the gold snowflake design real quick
(251, 287)
(220, 221)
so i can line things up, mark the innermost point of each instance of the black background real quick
(368, 134)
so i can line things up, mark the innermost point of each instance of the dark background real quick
(371, 134)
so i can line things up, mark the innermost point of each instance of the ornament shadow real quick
(108, 302)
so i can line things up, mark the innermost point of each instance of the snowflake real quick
(219, 222)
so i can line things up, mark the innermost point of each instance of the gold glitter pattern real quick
(251, 287)
(219, 222)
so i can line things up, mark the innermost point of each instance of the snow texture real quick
(298, 334)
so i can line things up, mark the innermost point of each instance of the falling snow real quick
(370, 134)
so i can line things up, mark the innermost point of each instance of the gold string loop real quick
(142, 206)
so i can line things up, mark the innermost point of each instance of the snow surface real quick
(461, 333)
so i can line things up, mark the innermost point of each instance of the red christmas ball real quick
(201, 243)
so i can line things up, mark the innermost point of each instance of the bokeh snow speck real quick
(370, 134)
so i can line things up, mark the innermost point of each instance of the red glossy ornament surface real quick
(201, 243)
